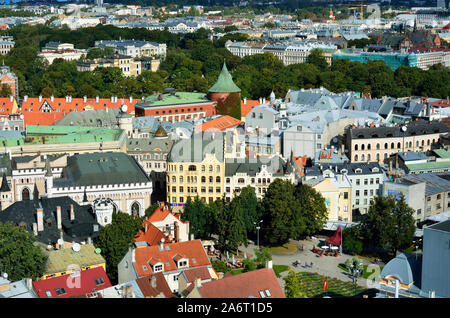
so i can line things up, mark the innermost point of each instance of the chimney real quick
(40, 98)
(96, 99)
(153, 281)
(84, 99)
(72, 213)
(115, 99)
(197, 282)
(40, 219)
(112, 99)
(260, 100)
(52, 98)
(35, 229)
(89, 240)
(264, 100)
(133, 256)
(25, 98)
(146, 227)
(245, 101)
(11, 98)
(268, 264)
(58, 217)
(29, 283)
(176, 231)
(161, 245)
(70, 99)
(131, 99)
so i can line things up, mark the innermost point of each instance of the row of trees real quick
(193, 63)
(286, 212)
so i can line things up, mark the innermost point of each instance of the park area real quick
(312, 285)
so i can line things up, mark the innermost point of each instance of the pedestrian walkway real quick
(325, 265)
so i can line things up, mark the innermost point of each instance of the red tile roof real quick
(193, 251)
(7, 105)
(301, 163)
(248, 106)
(161, 214)
(218, 124)
(202, 273)
(244, 285)
(152, 236)
(72, 284)
(159, 285)
(33, 114)
(441, 103)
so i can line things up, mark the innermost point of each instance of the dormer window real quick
(375, 170)
(358, 170)
(158, 268)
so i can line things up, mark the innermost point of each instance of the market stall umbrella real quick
(233, 261)
(212, 247)
(334, 247)
(324, 247)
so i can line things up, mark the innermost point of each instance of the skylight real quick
(268, 293)
(261, 293)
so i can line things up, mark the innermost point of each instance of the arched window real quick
(25, 194)
(423, 143)
(135, 208)
(217, 168)
(181, 168)
(368, 157)
(378, 146)
(368, 146)
(417, 143)
(356, 147)
(386, 146)
(362, 157)
(192, 168)
(378, 157)
(203, 179)
(181, 179)
(392, 145)
(210, 168)
(362, 147)
(385, 155)
(174, 179)
(356, 157)
(399, 145)
(217, 179)
(428, 142)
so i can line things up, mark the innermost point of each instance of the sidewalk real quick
(325, 265)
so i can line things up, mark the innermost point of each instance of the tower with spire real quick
(48, 178)
(226, 94)
(5, 193)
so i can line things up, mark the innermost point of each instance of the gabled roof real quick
(159, 286)
(191, 274)
(160, 214)
(224, 83)
(152, 236)
(246, 285)
(90, 280)
(193, 250)
(218, 124)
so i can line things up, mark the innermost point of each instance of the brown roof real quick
(161, 286)
(152, 236)
(250, 284)
(202, 273)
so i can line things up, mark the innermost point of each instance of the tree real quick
(20, 254)
(115, 239)
(316, 58)
(292, 286)
(312, 211)
(151, 209)
(389, 224)
(262, 255)
(5, 90)
(352, 242)
(249, 203)
(235, 233)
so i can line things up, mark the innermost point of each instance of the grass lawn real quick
(278, 269)
(365, 274)
(286, 248)
(237, 271)
(312, 285)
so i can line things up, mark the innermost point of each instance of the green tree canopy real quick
(21, 256)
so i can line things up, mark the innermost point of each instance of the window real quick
(439, 196)
(181, 168)
(60, 291)
(48, 293)
(158, 268)
(419, 211)
(345, 195)
(99, 281)
(357, 193)
(357, 181)
(365, 181)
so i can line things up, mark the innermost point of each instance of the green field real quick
(312, 285)
(278, 269)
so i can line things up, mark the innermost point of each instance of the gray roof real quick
(101, 168)
(441, 226)
(24, 213)
(411, 155)
(405, 267)
(436, 182)
(152, 144)
(195, 148)
(277, 166)
(350, 168)
(17, 289)
(95, 118)
(414, 128)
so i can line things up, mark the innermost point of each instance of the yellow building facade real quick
(337, 193)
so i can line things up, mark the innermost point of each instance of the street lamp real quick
(258, 228)
(355, 274)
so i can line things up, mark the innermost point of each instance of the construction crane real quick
(360, 7)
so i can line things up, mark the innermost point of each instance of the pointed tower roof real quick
(224, 83)
(160, 132)
(5, 187)
(85, 199)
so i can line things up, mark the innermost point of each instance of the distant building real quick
(6, 44)
(56, 50)
(135, 48)
(9, 78)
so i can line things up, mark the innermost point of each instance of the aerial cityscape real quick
(225, 150)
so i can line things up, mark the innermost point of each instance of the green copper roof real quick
(169, 99)
(38, 135)
(224, 83)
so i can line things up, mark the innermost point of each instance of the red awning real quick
(335, 239)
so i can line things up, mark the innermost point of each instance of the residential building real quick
(366, 180)
(73, 284)
(19, 289)
(72, 260)
(56, 50)
(169, 224)
(135, 48)
(436, 260)
(261, 283)
(196, 167)
(51, 220)
(6, 44)
(9, 78)
(374, 144)
(169, 259)
(258, 173)
(128, 65)
(337, 193)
